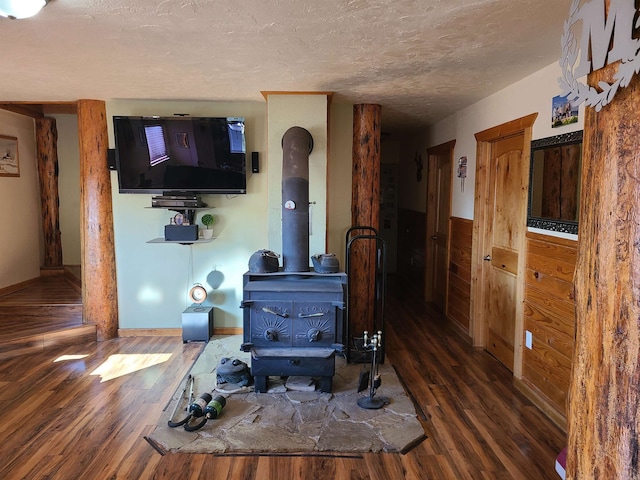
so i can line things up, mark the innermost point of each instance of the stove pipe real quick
(297, 144)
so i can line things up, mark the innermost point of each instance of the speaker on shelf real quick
(111, 157)
(255, 162)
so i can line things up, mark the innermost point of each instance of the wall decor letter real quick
(603, 42)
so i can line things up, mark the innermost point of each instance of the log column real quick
(47, 153)
(99, 290)
(365, 211)
(604, 399)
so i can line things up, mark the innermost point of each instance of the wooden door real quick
(437, 228)
(502, 247)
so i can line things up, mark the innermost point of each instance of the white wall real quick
(533, 94)
(20, 216)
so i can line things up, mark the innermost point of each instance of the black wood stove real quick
(293, 322)
(293, 325)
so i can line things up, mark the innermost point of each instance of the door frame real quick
(481, 232)
(97, 244)
(443, 149)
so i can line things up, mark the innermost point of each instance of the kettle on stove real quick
(325, 263)
(264, 261)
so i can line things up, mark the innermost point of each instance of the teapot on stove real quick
(325, 263)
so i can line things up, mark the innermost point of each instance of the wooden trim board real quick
(171, 332)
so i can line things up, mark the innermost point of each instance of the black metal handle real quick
(271, 335)
(314, 334)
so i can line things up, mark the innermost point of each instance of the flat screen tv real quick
(180, 154)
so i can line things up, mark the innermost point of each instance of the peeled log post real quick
(47, 154)
(604, 398)
(365, 211)
(99, 290)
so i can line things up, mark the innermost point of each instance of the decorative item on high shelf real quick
(207, 221)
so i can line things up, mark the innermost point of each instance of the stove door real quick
(314, 324)
(271, 323)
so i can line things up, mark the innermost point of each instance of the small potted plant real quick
(207, 221)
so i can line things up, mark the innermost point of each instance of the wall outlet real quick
(528, 339)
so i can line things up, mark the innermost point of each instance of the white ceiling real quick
(420, 59)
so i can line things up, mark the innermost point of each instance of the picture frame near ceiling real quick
(9, 161)
(563, 111)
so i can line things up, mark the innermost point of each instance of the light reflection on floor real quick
(121, 364)
(67, 358)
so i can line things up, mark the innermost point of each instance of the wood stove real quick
(293, 321)
(293, 325)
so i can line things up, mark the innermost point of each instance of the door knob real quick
(434, 237)
(487, 258)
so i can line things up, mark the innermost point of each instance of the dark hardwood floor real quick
(44, 315)
(82, 412)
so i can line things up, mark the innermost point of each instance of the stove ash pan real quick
(306, 362)
(293, 326)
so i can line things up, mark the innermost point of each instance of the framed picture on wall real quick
(9, 163)
(563, 112)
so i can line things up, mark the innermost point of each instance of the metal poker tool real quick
(175, 409)
(190, 393)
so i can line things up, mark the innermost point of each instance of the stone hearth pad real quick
(291, 421)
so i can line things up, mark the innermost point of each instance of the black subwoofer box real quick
(180, 233)
(197, 323)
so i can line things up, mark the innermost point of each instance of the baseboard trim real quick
(51, 271)
(171, 332)
(539, 401)
(460, 330)
(149, 332)
(227, 331)
(18, 286)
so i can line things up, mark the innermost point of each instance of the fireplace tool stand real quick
(371, 378)
(376, 323)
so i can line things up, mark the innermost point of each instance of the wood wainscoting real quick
(549, 314)
(459, 290)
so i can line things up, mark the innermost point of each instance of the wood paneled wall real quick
(549, 314)
(459, 289)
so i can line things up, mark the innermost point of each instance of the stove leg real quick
(260, 383)
(326, 384)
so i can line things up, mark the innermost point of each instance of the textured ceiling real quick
(421, 60)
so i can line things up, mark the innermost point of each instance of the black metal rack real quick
(353, 349)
